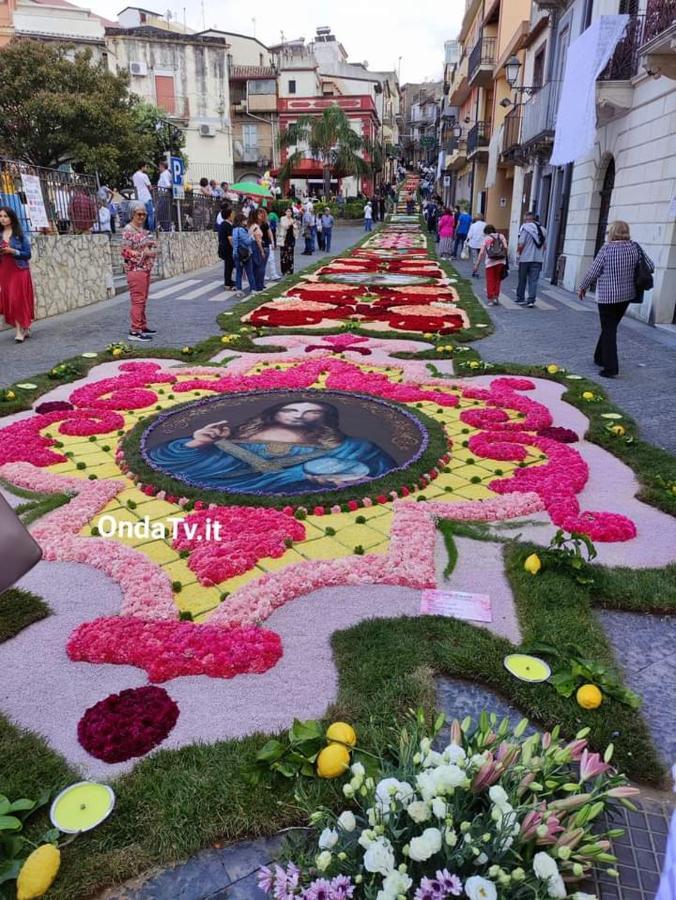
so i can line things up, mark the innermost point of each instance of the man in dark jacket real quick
(225, 246)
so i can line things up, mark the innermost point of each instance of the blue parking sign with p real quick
(177, 170)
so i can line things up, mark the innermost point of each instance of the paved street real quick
(561, 329)
(182, 309)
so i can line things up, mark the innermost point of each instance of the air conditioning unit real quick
(138, 68)
(207, 130)
(241, 106)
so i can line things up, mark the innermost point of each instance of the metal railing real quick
(482, 54)
(624, 62)
(478, 137)
(175, 107)
(539, 113)
(659, 15)
(511, 135)
(49, 200)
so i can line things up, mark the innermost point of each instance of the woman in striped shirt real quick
(614, 271)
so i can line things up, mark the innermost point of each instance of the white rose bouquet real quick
(492, 814)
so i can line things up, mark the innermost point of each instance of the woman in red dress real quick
(17, 303)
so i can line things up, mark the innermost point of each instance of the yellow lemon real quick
(38, 872)
(10, 395)
(552, 369)
(533, 564)
(440, 349)
(589, 696)
(474, 364)
(587, 395)
(619, 430)
(117, 351)
(341, 731)
(333, 761)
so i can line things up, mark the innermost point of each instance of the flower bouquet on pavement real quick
(490, 814)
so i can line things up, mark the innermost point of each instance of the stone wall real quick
(186, 251)
(75, 270)
(70, 271)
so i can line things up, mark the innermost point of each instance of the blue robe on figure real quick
(253, 467)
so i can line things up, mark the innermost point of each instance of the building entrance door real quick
(606, 196)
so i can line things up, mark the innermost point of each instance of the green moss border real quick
(413, 477)
(18, 610)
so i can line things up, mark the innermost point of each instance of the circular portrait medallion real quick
(283, 443)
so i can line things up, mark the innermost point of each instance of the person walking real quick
(475, 239)
(381, 206)
(615, 270)
(17, 301)
(368, 216)
(242, 252)
(225, 245)
(308, 221)
(494, 251)
(320, 231)
(259, 257)
(269, 243)
(461, 232)
(139, 249)
(446, 227)
(530, 254)
(164, 197)
(287, 233)
(327, 228)
(142, 187)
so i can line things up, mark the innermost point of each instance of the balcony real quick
(478, 139)
(539, 118)
(481, 62)
(252, 153)
(614, 90)
(511, 135)
(459, 90)
(658, 51)
(456, 155)
(262, 103)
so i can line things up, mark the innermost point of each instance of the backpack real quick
(540, 240)
(495, 249)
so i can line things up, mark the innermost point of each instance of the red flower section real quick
(229, 540)
(563, 435)
(126, 391)
(171, 649)
(22, 442)
(127, 724)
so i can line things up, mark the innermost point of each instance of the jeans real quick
(327, 239)
(457, 244)
(368, 224)
(260, 261)
(139, 285)
(308, 245)
(271, 272)
(605, 354)
(247, 267)
(150, 210)
(529, 272)
(314, 238)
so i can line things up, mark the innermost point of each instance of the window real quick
(292, 86)
(539, 67)
(164, 93)
(261, 86)
(587, 14)
(250, 138)
(260, 59)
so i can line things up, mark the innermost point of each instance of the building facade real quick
(186, 76)
(55, 21)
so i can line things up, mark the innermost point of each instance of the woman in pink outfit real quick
(446, 230)
(139, 249)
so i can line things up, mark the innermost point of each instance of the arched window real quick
(604, 209)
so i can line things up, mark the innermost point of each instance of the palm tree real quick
(331, 141)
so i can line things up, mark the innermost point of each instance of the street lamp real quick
(512, 68)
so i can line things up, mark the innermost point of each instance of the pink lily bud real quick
(523, 784)
(546, 740)
(456, 732)
(530, 823)
(623, 791)
(570, 838)
(487, 775)
(575, 749)
(568, 803)
(554, 828)
(591, 765)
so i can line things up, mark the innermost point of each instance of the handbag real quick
(643, 275)
(19, 552)
(505, 270)
(464, 253)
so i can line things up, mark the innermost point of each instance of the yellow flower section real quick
(458, 483)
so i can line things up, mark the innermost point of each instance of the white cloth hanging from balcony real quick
(576, 117)
(494, 148)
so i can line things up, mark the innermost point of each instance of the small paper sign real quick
(457, 605)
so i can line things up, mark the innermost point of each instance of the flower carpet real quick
(212, 537)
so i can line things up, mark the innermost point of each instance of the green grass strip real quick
(18, 610)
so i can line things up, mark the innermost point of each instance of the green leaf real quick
(272, 751)
(21, 805)
(303, 731)
(10, 823)
(9, 869)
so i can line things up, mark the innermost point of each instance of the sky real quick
(377, 31)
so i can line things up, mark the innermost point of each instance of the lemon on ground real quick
(342, 732)
(532, 564)
(589, 696)
(552, 368)
(619, 430)
(38, 872)
(333, 761)
(587, 395)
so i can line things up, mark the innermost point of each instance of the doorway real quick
(604, 209)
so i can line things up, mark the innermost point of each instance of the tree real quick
(58, 106)
(331, 140)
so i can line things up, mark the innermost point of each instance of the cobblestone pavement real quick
(561, 329)
(182, 309)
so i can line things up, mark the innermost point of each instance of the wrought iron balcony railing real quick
(482, 54)
(659, 15)
(478, 137)
(624, 62)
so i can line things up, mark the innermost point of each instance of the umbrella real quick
(250, 188)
